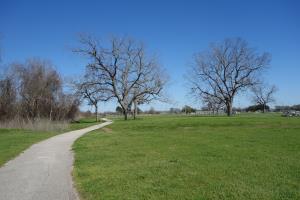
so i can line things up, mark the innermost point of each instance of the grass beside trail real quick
(14, 141)
(83, 123)
(247, 157)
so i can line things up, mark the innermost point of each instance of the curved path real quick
(43, 171)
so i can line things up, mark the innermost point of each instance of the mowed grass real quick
(14, 141)
(247, 157)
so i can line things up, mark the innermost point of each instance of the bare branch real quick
(263, 94)
(123, 71)
(226, 69)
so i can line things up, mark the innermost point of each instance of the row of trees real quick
(33, 90)
(189, 110)
(123, 71)
(186, 109)
(287, 108)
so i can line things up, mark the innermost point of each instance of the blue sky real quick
(174, 30)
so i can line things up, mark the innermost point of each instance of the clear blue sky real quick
(174, 30)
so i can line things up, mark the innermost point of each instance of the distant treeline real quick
(286, 108)
(34, 90)
(188, 109)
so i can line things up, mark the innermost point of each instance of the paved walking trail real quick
(43, 172)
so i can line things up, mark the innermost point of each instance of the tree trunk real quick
(50, 115)
(125, 115)
(134, 110)
(96, 112)
(264, 108)
(229, 108)
(125, 111)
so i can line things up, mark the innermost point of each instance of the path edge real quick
(74, 185)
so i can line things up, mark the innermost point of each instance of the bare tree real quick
(123, 70)
(87, 90)
(263, 95)
(40, 92)
(34, 90)
(226, 69)
(65, 107)
(7, 98)
(213, 104)
(39, 85)
(143, 99)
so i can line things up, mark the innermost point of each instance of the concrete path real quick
(43, 172)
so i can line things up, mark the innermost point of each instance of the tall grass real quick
(36, 125)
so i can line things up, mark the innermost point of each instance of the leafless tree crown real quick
(123, 70)
(226, 69)
(263, 94)
(86, 89)
(33, 91)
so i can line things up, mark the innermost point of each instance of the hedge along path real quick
(44, 170)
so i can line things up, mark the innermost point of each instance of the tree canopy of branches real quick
(39, 86)
(7, 98)
(7, 93)
(226, 69)
(35, 91)
(123, 70)
(263, 95)
(212, 103)
(255, 108)
(87, 90)
(287, 108)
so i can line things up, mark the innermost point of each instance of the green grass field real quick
(14, 141)
(246, 157)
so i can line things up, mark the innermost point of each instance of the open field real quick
(14, 141)
(171, 157)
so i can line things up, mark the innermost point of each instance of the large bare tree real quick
(263, 95)
(123, 70)
(226, 69)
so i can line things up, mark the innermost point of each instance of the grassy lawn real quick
(246, 157)
(14, 141)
